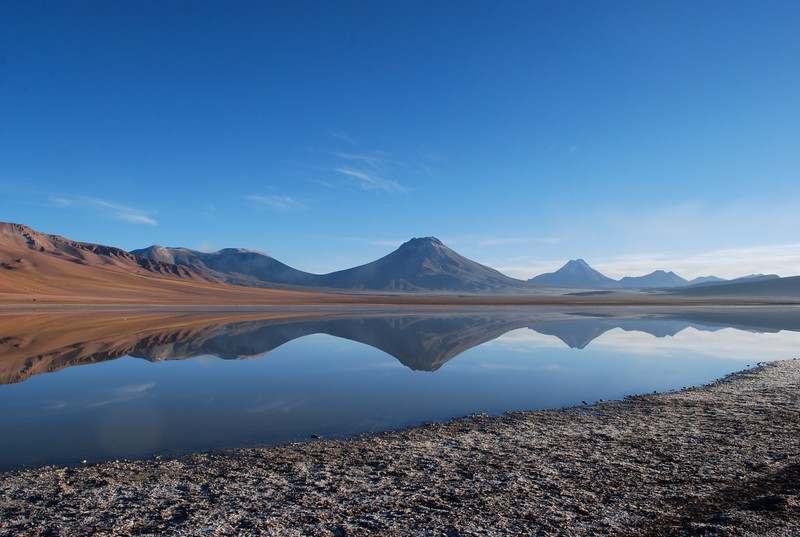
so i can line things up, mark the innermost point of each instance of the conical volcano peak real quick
(417, 242)
(576, 263)
(575, 273)
(425, 246)
(422, 264)
(577, 266)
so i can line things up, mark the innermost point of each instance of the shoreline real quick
(265, 299)
(718, 459)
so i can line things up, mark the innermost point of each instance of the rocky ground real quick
(719, 460)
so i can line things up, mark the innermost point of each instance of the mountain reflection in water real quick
(150, 383)
(419, 341)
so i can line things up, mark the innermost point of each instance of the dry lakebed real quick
(721, 459)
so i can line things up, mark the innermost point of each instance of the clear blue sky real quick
(636, 135)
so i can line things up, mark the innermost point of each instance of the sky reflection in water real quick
(316, 383)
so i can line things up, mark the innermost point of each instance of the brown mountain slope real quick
(37, 267)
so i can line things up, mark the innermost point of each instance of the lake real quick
(119, 385)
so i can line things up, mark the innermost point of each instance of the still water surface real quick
(259, 382)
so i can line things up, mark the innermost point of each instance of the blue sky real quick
(636, 135)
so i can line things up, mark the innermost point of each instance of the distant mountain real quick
(576, 273)
(706, 279)
(755, 278)
(770, 286)
(232, 265)
(422, 265)
(418, 265)
(743, 279)
(658, 278)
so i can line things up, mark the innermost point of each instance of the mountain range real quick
(418, 265)
(32, 262)
(578, 274)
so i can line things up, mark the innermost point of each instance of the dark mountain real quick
(418, 265)
(658, 278)
(743, 279)
(756, 277)
(576, 273)
(232, 265)
(422, 265)
(765, 286)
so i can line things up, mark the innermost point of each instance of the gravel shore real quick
(722, 459)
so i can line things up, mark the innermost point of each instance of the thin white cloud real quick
(62, 202)
(136, 218)
(279, 203)
(370, 180)
(344, 137)
(105, 209)
(371, 160)
(781, 259)
(690, 226)
(135, 388)
(364, 168)
(207, 247)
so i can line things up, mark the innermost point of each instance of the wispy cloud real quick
(370, 180)
(278, 203)
(207, 247)
(373, 161)
(782, 259)
(104, 396)
(105, 209)
(135, 388)
(367, 169)
(346, 162)
(344, 137)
